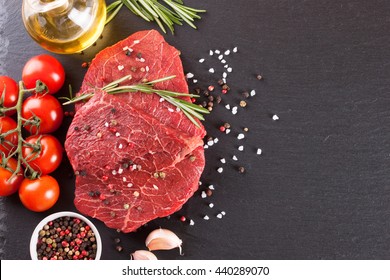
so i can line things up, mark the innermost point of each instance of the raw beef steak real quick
(136, 158)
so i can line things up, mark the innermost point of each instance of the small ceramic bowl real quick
(52, 217)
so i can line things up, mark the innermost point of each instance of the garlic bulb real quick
(143, 255)
(163, 239)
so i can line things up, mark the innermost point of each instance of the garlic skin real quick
(163, 239)
(143, 255)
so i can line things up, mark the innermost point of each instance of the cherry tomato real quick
(47, 109)
(45, 68)
(7, 186)
(8, 143)
(46, 156)
(39, 194)
(11, 93)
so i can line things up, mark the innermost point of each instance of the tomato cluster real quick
(25, 164)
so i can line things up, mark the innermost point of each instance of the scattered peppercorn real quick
(119, 248)
(226, 87)
(209, 192)
(206, 93)
(241, 169)
(210, 98)
(242, 103)
(245, 94)
(226, 125)
(84, 64)
(218, 99)
(246, 129)
(220, 82)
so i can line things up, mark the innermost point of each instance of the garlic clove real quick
(143, 255)
(163, 239)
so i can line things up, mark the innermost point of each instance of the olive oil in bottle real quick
(64, 26)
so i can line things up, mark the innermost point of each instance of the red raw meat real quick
(136, 158)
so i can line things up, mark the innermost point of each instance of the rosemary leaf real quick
(112, 10)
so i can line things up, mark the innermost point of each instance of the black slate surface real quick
(321, 188)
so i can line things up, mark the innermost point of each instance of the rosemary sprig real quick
(170, 13)
(192, 111)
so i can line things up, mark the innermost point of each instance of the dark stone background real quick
(321, 188)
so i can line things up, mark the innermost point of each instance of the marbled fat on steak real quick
(136, 158)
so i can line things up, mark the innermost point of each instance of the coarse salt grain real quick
(224, 75)
(177, 109)
(227, 131)
(211, 187)
(223, 213)
(121, 67)
(155, 187)
(234, 158)
(142, 59)
(161, 99)
(211, 52)
(227, 106)
(223, 160)
(211, 70)
(124, 179)
(113, 172)
(206, 217)
(120, 146)
(217, 51)
(120, 171)
(241, 148)
(220, 57)
(200, 183)
(216, 140)
(171, 110)
(253, 92)
(106, 124)
(194, 81)
(129, 185)
(189, 75)
(227, 52)
(211, 205)
(235, 49)
(205, 146)
(240, 136)
(226, 66)
(136, 41)
(192, 222)
(117, 134)
(234, 110)
(219, 216)
(220, 170)
(259, 151)
(203, 194)
(201, 60)
(223, 61)
(125, 48)
(210, 143)
(230, 69)
(275, 117)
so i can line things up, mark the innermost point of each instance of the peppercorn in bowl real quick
(65, 236)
